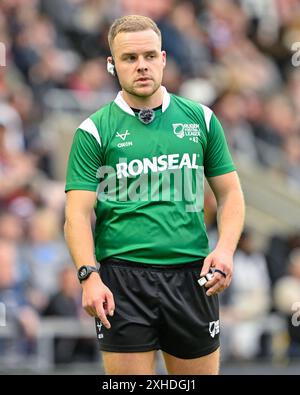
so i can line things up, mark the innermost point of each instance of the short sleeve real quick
(217, 159)
(84, 162)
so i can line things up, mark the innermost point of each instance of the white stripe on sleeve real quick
(207, 115)
(89, 126)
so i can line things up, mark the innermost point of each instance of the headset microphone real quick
(110, 68)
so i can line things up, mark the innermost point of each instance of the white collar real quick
(119, 100)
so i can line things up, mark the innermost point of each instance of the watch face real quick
(82, 272)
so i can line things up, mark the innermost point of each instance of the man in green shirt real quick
(140, 162)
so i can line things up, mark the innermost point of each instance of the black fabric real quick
(180, 266)
(159, 308)
(136, 110)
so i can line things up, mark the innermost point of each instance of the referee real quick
(140, 163)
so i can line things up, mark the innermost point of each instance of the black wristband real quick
(221, 272)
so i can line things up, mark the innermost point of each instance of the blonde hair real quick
(131, 23)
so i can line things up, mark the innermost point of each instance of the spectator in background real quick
(172, 78)
(278, 250)
(10, 119)
(12, 231)
(293, 89)
(287, 301)
(194, 39)
(244, 313)
(20, 316)
(67, 300)
(279, 116)
(174, 40)
(11, 227)
(291, 165)
(44, 254)
(22, 100)
(232, 110)
(67, 303)
(90, 77)
(16, 169)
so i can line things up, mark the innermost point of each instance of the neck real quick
(140, 102)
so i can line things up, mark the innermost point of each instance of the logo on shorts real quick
(99, 327)
(214, 328)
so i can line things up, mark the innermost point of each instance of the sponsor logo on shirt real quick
(156, 164)
(123, 137)
(190, 130)
(173, 177)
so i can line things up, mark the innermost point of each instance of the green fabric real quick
(151, 212)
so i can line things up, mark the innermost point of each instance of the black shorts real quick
(159, 307)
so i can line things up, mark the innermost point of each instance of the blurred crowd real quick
(232, 55)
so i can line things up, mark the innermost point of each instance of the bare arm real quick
(231, 214)
(97, 299)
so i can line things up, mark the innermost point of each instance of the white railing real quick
(48, 329)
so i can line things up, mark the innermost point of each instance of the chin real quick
(146, 90)
(143, 92)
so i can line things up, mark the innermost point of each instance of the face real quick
(139, 62)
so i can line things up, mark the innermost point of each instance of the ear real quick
(164, 58)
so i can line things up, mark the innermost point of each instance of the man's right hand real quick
(97, 299)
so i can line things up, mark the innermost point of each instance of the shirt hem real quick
(163, 261)
(81, 187)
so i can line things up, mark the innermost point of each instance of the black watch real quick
(85, 271)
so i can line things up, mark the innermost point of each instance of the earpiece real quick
(110, 68)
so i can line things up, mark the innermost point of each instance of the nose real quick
(142, 66)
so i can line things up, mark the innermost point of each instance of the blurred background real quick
(235, 56)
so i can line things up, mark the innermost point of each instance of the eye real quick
(131, 58)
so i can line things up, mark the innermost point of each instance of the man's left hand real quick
(222, 263)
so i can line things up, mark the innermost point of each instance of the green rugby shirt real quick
(149, 178)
